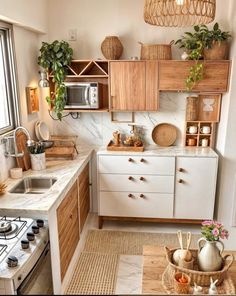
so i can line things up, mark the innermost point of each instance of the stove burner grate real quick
(14, 229)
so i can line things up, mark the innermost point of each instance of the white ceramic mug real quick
(204, 142)
(192, 129)
(205, 130)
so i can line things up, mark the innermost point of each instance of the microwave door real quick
(86, 95)
(77, 97)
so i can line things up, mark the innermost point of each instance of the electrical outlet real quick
(72, 34)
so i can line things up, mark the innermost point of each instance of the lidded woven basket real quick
(112, 48)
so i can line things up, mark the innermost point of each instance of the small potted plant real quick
(209, 257)
(55, 57)
(37, 156)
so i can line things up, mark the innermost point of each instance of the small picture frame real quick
(32, 99)
(209, 107)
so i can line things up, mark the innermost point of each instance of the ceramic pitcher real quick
(209, 255)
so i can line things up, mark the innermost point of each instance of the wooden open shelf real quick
(87, 110)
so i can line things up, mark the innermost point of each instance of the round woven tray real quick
(164, 134)
(201, 278)
(226, 288)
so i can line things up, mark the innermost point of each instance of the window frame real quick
(9, 60)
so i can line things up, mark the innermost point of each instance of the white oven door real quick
(39, 280)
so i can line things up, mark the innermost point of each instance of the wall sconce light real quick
(43, 82)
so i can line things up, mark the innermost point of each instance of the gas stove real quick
(22, 242)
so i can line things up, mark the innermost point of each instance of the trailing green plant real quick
(194, 43)
(54, 58)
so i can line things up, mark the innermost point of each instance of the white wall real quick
(31, 14)
(28, 13)
(226, 210)
(95, 19)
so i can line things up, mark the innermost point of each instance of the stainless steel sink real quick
(33, 185)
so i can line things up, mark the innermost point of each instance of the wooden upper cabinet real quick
(133, 85)
(172, 76)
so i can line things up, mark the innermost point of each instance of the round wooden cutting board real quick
(164, 134)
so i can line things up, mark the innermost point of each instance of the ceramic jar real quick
(112, 48)
(38, 161)
(209, 255)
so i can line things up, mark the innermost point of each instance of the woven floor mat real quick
(130, 243)
(95, 274)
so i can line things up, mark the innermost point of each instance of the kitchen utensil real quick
(36, 129)
(192, 129)
(48, 144)
(21, 143)
(164, 134)
(187, 255)
(43, 131)
(204, 142)
(191, 142)
(205, 129)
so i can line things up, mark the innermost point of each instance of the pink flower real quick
(224, 234)
(215, 232)
(207, 222)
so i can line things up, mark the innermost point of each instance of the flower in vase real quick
(213, 230)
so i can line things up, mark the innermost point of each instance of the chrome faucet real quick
(11, 141)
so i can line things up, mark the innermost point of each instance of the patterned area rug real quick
(97, 266)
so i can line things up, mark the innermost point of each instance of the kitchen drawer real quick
(151, 205)
(136, 183)
(152, 165)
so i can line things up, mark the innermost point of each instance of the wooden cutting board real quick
(22, 162)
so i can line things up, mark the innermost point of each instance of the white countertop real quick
(165, 151)
(66, 172)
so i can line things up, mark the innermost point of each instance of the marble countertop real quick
(165, 151)
(66, 172)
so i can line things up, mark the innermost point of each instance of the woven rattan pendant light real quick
(179, 13)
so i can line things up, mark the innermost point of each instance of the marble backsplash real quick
(97, 128)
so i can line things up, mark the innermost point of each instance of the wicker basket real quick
(156, 51)
(201, 278)
(218, 51)
(112, 48)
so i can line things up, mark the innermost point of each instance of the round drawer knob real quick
(180, 181)
(142, 160)
(142, 195)
(130, 159)
(181, 170)
(130, 178)
(141, 178)
(130, 195)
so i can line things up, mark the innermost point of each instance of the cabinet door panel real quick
(172, 76)
(152, 92)
(160, 184)
(84, 196)
(195, 196)
(68, 227)
(152, 205)
(127, 85)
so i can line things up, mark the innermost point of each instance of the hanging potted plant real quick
(201, 44)
(54, 57)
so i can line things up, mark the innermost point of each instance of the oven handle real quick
(87, 96)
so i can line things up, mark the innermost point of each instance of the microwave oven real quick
(82, 95)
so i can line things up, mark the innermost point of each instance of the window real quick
(9, 113)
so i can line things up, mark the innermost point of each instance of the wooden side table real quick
(154, 264)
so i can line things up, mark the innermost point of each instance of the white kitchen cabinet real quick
(195, 187)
